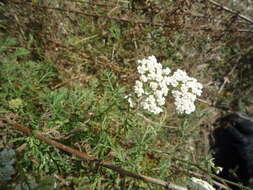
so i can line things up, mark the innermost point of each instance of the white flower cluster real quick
(186, 92)
(199, 184)
(156, 82)
(151, 88)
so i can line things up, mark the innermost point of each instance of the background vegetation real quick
(66, 66)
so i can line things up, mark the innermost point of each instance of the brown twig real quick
(203, 176)
(206, 102)
(65, 82)
(69, 48)
(118, 19)
(226, 79)
(220, 179)
(231, 11)
(88, 158)
(138, 22)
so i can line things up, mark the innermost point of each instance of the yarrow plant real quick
(156, 82)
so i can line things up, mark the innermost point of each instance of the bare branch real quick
(137, 22)
(231, 11)
(118, 19)
(88, 158)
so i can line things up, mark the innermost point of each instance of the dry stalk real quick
(231, 11)
(140, 22)
(118, 19)
(90, 159)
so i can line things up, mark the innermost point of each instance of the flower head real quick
(156, 82)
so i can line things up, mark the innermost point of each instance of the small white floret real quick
(153, 85)
(166, 71)
(143, 78)
(180, 75)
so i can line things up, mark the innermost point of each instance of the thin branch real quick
(222, 180)
(226, 78)
(88, 158)
(231, 11)
(203, 176)
(118, 19)
(206, 102)
(69, 48)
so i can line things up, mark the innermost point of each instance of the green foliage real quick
(110, 129)
(44, 184)
(58, 77)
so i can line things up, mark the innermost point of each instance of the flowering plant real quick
(156, 82)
